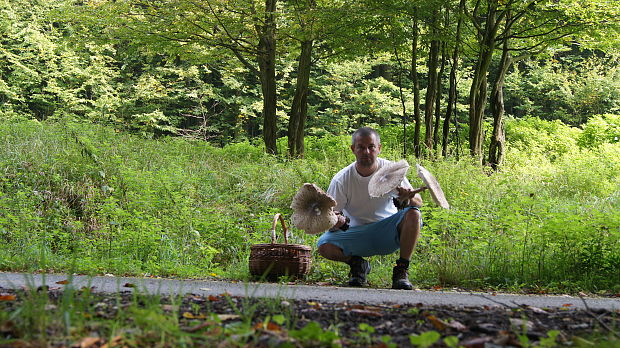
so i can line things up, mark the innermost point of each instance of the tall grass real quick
(90, 199)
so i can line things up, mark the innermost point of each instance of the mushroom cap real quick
(387, 178)
(433, 187)
(313, 210)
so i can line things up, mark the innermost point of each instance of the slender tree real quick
(451, 103)
(433, 81)
(417, 150)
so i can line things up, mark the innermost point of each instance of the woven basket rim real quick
(279, 245)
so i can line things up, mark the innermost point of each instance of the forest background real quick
(160, 137)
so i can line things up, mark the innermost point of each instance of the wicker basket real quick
(274, 260)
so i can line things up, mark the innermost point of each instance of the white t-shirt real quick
(350, 190)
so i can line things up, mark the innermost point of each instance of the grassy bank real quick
(88, 199)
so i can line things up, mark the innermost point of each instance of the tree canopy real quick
(232, 70)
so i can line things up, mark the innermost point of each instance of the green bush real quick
(599, 130)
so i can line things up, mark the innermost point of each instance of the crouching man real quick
(376, 226)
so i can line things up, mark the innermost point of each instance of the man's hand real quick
(410, 196)
(342, 221)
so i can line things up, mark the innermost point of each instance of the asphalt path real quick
(112, 284)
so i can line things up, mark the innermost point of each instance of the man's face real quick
(366, 149)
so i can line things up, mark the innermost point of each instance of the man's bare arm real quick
(411, 196)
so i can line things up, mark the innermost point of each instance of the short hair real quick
(365, 132)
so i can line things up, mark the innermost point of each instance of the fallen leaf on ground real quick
(506, 338)
(519, 323)
(369, 308)
(271, 326)
(169, 308)
(88, 342)
(129, 285)
(201, 326)
(477, 342)
(437, 323)
(538, 310)
(8, 327)
(213, 298)
(189, 315)
(457, 325)
(116, 341)
(366, 313)
(7, 297)
(380, 345)
(314, 305)
(224, 317)
(204, 289)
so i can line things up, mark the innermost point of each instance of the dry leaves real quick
(189, 315)
(269, 326)
(7, 297)
(225, 317)
(442, 325)
(88, 342)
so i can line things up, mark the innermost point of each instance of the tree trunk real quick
(498, 139)
(402, 99)
(431, 90)
(267, 66)
(438, 99)
(452, 92)
(478, 91)
(299, 107)
(416, 87)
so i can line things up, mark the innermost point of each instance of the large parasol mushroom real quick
(433, 186)
(313, 210)
(387, 178)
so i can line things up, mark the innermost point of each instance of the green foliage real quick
(572, 88)
(349, 96)
(314, 334)
(600, 129)
(425, 339)
(533, 136)
(91, 199)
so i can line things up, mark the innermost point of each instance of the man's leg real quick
(409, 230)
(333, 252)
(359, 267)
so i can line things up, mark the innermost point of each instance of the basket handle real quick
(273, 228)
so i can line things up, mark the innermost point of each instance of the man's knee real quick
(413, 215)
(330, 251)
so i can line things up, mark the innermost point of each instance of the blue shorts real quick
(377, 238)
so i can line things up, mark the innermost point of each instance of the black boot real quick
(400, 276)
(359, 270)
